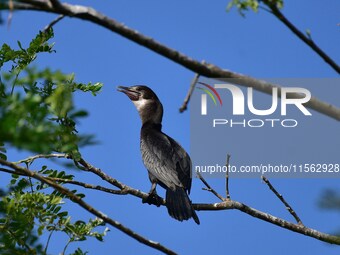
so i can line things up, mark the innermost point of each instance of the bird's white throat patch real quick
(147, 111)
(141, 103)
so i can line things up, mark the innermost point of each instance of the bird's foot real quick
(153, 199)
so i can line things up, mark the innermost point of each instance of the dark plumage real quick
(167, 162)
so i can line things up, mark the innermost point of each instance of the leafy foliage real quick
(28, 211)
(23, 57)
(37, 113)
(41, 115)
(246, 5)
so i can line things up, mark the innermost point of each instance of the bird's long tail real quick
(179, 205)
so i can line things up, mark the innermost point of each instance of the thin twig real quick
(113, 181)
(279, 196)
(78, 183)
(204, 69)
(65, 248)
(31, 159)
(14, 82)
(53, 22)
(227, 178)
(89, 186)
(278, 14)
(209, 188)
(190, 91)
(48, 241)
(123, 191)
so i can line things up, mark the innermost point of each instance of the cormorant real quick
(168, 164)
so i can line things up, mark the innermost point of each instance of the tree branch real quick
(125, 189)
(209, 188)
(279, 196)
(224, 205)
(298, 228)
(74, 198)
(89, 186)
(53, 22)
(114, 182)
(227, 193)
(205, 69)
(201, 68)
(190, 91)
(78, 183)
(56, 4)
(307, 40)
(31, 159)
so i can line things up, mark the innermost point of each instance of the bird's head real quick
(146, 101)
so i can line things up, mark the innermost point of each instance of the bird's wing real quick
(183, 165)
(166, 160)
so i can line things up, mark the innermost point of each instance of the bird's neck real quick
(149, 125)
(151, 113)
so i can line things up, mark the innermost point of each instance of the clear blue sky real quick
(257, 45)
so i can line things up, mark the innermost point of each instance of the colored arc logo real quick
(209, 90)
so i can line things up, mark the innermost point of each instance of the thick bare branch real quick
(56, 4)
(202, 68)
(298, 228)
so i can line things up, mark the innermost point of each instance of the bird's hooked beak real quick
(130, 92)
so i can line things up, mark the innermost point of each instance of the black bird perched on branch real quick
(167, 162)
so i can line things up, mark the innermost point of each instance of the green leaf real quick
(39, 43)
(246, 5)
(62, 214)
(78, 114)
(94, 88)
(60, 101)
(79, 252)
